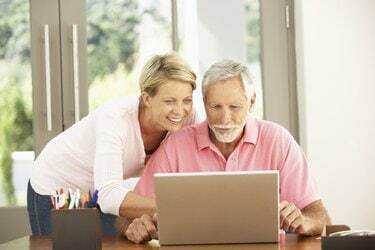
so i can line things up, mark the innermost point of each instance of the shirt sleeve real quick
(158, 163)
(108, 167)
(296, 183)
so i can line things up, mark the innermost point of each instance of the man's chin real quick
(225, 138)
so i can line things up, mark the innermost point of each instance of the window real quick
(210, 30)
(253, 50)
(16, 137)
(121, 37)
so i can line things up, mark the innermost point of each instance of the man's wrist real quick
(311, 227)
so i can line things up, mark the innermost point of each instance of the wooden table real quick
(293, 242)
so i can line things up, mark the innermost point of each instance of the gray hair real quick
(226, 69)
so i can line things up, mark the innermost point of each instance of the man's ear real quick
(252, 102)
(146, 99)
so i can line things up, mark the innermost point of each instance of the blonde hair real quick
(161, 68)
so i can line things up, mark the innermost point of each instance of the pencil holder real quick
(76, 229)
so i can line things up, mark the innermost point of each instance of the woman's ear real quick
(146, 99)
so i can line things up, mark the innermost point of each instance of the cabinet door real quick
(46, 71)
(74, 60)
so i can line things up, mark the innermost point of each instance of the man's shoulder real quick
(185, 133)
(184, 137)
(270, 126)
(272, 130)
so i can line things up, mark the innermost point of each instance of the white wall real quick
(335, 42)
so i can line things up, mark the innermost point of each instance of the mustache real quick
(222, 126)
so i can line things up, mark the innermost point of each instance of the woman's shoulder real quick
(120, 114)
(121, 107)
(124, 104)
(185, 134)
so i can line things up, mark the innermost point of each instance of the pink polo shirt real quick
(264, 146)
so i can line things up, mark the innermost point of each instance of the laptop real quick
(217, 207)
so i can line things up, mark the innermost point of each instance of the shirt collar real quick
(203, 137)
(251, 131)
(250, 134)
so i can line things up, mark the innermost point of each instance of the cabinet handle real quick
(75, 72)
(48, 76)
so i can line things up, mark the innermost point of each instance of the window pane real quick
(213, 30)
(253, 39)
(121, 36)
(16, 142)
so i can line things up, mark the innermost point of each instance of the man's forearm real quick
(134, 206)
(316, 217)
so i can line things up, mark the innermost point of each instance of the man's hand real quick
(292, 219)
(308, 221)
(142, 229)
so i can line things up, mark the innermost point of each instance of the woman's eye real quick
(187, 101)
(168, 101)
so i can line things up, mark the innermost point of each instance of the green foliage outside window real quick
(253, 30)
(15, 106)
(15, 131)
(112, 36)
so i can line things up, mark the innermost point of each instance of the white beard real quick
(227, 137)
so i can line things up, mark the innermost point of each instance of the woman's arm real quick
(135, 205)
(114, 134)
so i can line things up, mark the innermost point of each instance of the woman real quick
(112, 144)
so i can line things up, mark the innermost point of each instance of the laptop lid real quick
(217, 207)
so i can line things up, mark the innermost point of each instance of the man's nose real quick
(225, 117)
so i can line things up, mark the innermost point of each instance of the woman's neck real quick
(151, 135)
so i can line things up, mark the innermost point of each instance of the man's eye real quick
(187, 101)
(168, 101)
(234, 107)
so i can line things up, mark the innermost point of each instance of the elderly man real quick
(230, 140)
